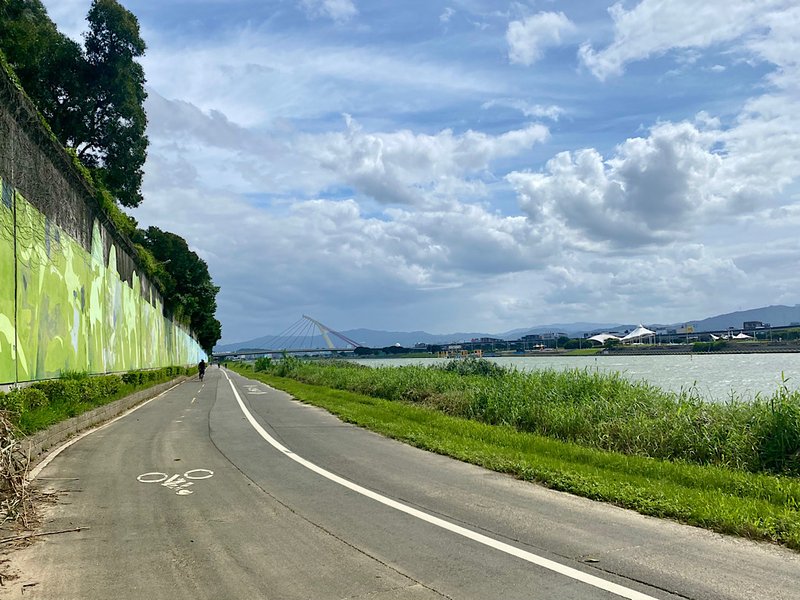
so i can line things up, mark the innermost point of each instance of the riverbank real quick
(710, 493)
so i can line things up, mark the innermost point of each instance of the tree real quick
(189, 292)
(112, 139)
(93, 100)
(50, 66)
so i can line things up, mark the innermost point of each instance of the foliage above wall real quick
(189, 291)
(92, 99)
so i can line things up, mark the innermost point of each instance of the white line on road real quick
(530, 557)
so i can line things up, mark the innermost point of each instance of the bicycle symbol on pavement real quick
(179, 483)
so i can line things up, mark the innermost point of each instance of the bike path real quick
(258, 524)
(225, 539)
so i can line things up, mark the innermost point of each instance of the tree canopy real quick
(93, 99)
(190, 293)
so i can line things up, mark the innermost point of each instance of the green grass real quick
(584, 352)
(756, 506)
(45, 403)
(590, 408)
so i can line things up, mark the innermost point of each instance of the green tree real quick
(50, 66)
(93, 100)
(189, 292)
(112, 139)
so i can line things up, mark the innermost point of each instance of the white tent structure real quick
(602, 338)
(639, 334)
(742, 336)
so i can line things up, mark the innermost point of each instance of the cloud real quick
(527, 39)
(404, 167)
(653, 27)
(323, 253)
(657, 188)
(550, 111)
(446, 15)
(338, 10)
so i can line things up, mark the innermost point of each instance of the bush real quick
(31, 398)
(262, 364)
(12, 403)
(475, 366)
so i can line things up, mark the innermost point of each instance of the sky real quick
(474, 165)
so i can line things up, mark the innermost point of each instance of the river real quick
(715, 376)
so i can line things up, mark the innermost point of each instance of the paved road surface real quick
(282, 514)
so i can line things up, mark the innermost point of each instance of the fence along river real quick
(716, 377)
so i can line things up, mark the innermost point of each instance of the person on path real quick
(201, 368)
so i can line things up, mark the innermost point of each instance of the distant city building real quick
(553, 335)
(754, 325)
(485, 340)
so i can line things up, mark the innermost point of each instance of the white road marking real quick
(34, 473)
(253, 390)
(193, 399)
(176, 482)
(530, 557)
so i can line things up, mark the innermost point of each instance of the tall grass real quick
(586, 407)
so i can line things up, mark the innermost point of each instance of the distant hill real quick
(775, 315)
(571, 329)
(378, 339)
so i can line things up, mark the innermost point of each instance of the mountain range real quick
(775, 315)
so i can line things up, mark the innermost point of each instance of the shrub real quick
(262, 364)
(12, 403)
(31, 398)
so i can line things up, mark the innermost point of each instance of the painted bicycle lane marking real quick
(177, 482)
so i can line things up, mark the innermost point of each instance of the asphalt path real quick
(229, 489)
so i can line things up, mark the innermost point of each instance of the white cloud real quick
(323, 252)
(527, 39)
(338, 10)
(411, 168)
(446, 15)
(680, 177)
(255, 77)
(654, 27)
(550, 111)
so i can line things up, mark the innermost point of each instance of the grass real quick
(734, 501)
(584, 352)
(45, 403)
(590, 408)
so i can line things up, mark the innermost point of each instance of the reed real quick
(586, 407)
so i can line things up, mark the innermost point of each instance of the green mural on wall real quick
(7, 332)
(73, 311)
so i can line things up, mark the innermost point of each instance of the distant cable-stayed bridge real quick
(301, 337)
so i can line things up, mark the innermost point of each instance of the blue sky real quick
(474, 165)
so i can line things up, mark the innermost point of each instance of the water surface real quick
(715, 376)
